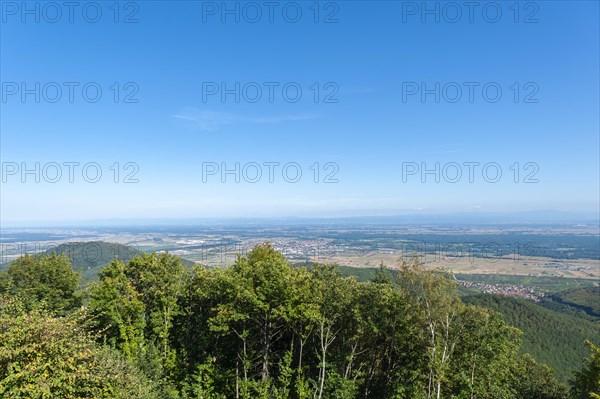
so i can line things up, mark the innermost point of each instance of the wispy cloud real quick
(212, 121)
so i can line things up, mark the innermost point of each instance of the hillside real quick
(89, 257)
(551, 337)
(586, 299)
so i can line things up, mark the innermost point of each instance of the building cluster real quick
(512, 290)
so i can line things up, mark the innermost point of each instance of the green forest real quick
(149, 326)
(551, 337)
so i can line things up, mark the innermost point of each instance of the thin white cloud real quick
(205, 120)
(278, 119)
(212, 121)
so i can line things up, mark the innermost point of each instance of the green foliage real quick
(551, 337)
(54, 357)
(42, 279)
(538, 381)
(132, 308)
(586, 382)
(265, 329)
(202, 384)
(382, 275)
(586, 299)
(158, 279)
(116, 310)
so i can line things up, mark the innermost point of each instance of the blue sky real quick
(368, 61)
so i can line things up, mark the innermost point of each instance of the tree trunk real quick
(300, 355)
(165, 333)
(324, 346)
(350, 360)
(266, 347)
(237, 379)
(473, 380)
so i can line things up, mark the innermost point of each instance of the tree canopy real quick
(261, 328)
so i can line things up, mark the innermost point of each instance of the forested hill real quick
(88, 257)
(586, 299)
(551, 337)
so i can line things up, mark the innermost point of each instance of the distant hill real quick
(585, 299)
(89, 257)
(554, 338)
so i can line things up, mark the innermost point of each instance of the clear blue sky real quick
(368, 55)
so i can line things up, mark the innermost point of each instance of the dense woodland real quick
(544, 331)
(150, 327)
